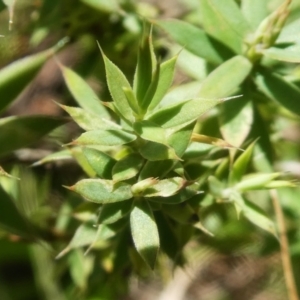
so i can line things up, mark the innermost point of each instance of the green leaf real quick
(17, 75)
(107, 6)
(156, 169)
(276, 88)
(254, 214)
(195, 40)
(240, 165)
(255, 181)
(83, 93)
(182, 113)
(127, 167)
(116, 82)
(110, 213)
(82, 161)
(263, 158)
(236, 119)
(144, 232)
(18, 132)
(151, 187)
(60, 155)
(165, 80)
(182, 213)
(225, 79)
(289, 33)
(151, 90)
(224, 21)
(101, 163)
(290, 54)
(255, 11)
(151, 132)
(180, 140)
(183, 195)
(102, 191)
(205, 139)
(11, 220)
(104, 138)
(154, 151)
(88, 120)
(84, 235)
(144, 69)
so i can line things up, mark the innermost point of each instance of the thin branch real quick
(285, 256)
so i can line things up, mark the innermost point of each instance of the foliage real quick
(166, 166)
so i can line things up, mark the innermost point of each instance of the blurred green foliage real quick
(146, 140)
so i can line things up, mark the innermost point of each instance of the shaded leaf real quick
(182, 213)
(224, 21)
(100, 162)
(11, 220)
(83, 93)
(18, 132)
(144, 232)
(226, 78)
(102, 191)
(105, 138)
(17, 75)
(127, 167)
(276, 88)
(84, 235)
(156, 169)
(195, 40)
(112, 212)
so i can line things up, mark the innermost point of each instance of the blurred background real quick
(240, 262)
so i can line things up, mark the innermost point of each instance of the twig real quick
(285, 257)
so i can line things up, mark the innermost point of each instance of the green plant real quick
(140, 161)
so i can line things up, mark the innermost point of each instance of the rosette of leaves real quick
(135, 155)
(139, 147)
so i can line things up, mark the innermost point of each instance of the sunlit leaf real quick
(151, 187)
(236, 119)
(116, 82)
(195, 40)
(144, 232)
(104, 138)
(240, 165)
(102, 191)
(56, 156)
(200, 138)
(225, 79)
(224, 21)
(101, 163)
(254, 11)
(291, 54)
(166, 75)
(83, 93)
(88, 120)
